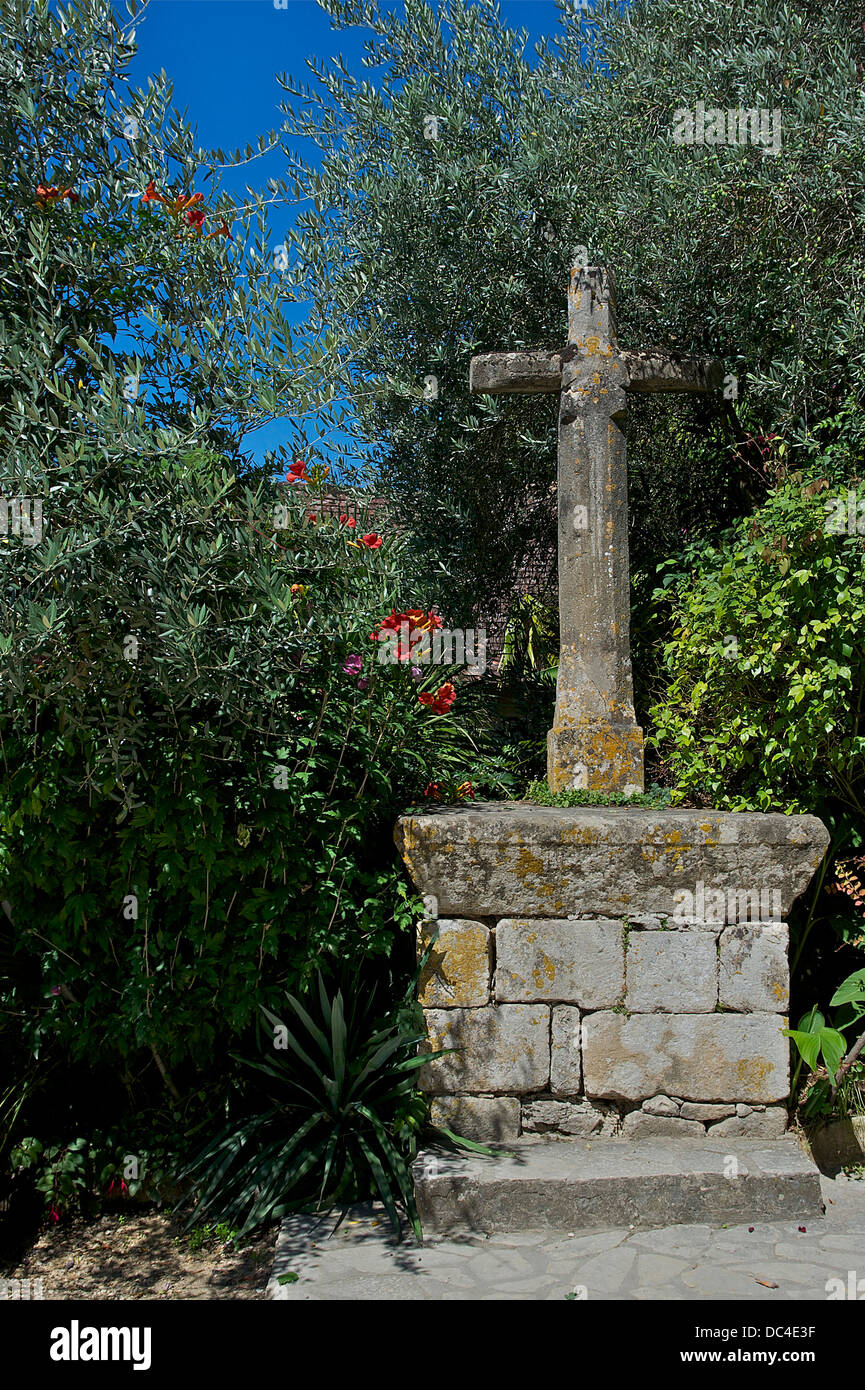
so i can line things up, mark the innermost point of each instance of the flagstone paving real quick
(774, 1261)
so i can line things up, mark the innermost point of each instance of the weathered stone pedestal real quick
(608, 972)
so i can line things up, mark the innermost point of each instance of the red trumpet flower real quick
(49, 194)
(296, 472)
(441, 702)
(222, 230)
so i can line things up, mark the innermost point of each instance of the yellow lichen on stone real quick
(753, 1073)
(528, 865)
(457, 971)
(580, 834)
(544, 972)
(710, 830)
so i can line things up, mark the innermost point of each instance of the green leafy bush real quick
(202, 757)
(75, 1175)
(765, 666)
(837, 1077)
(200, 760)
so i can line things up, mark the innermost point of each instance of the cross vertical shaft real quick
(595, 741)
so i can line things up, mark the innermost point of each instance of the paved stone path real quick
(776, 1261)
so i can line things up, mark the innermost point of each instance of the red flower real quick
(296, 472)
(348, 521)
(408, 625)
(222, 230)
(441, 702)
(47, 194)
(312, 516)
(420, 621)
(371, 540)
(182, 203)
(433, 790)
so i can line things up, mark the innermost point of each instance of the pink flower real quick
(363, 683)
(353, 665)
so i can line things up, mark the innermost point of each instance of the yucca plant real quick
(341, 1123)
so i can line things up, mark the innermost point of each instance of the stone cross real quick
(595, 741)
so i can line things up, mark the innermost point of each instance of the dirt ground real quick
(144, 1255)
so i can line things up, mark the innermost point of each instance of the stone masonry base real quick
(573, 1026)
(607, 972)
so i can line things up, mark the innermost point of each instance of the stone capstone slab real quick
(515, 859)
(754, 976)
(575, 1184)
(498, 1049)
(576, 962)
(485, 1119)
(671, 972)
(704, 1057)
(457, 971)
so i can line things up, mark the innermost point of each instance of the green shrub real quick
(79, 1173)
(763, 706)
(202, 759)
(837, 1077)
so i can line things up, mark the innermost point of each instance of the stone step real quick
(576, 1184)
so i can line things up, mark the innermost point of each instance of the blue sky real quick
(223, 56)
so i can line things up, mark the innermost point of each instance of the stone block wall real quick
(587, 1025)
(577, 996)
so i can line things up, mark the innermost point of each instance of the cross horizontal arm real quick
(535, 370)
(656, 371)
(510, 373)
